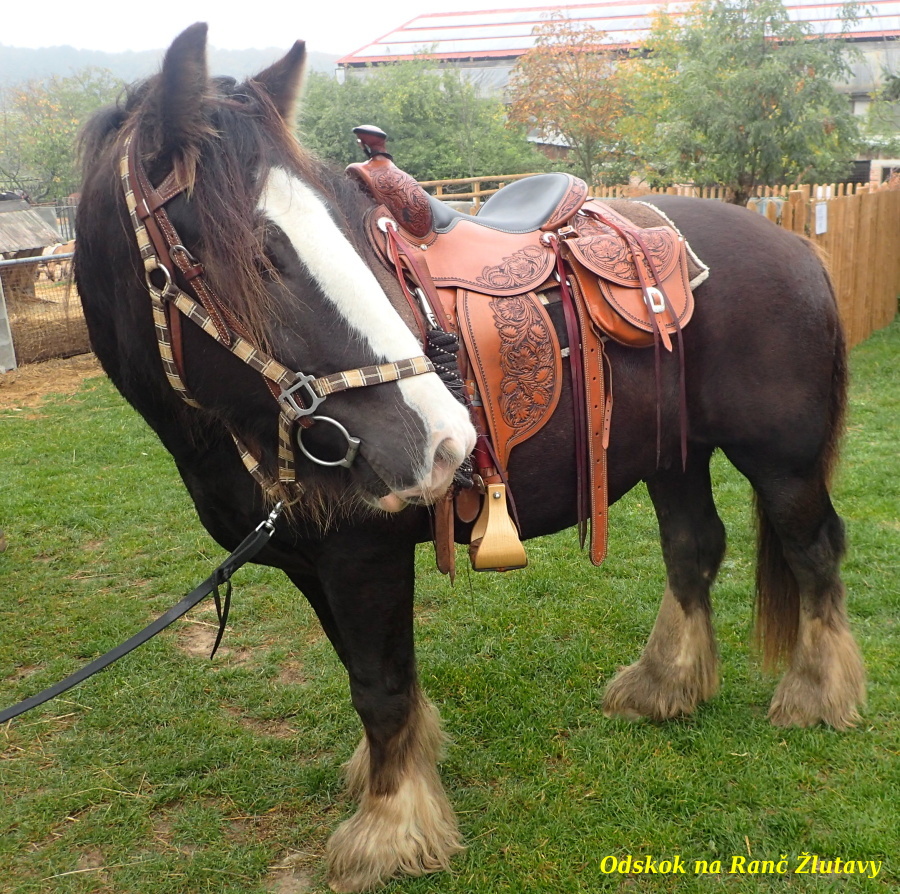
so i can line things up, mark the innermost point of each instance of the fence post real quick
(798, 201)
(7, 351)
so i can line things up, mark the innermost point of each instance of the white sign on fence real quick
(821, 218)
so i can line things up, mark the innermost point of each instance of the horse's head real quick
(281, 245)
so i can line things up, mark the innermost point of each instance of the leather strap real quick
(249, 547)
(575, 324)
(594, 410)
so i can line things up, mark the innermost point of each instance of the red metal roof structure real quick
(508, 33)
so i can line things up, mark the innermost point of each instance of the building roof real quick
(508, 33)
(22, 228)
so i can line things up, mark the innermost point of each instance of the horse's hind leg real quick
(801, 604)
(405, 824)
(679, 666)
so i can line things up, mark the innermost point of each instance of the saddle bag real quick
(605, 267)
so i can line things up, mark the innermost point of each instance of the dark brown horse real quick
(280, 240)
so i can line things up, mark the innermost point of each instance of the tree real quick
(735, 93)
(567, 86)
(39, 123)
(439, 126)
(882, 124)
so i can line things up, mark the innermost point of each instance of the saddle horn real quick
(373, 140)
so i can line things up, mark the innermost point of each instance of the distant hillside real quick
(18, 64)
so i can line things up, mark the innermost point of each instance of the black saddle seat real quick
(521, 207)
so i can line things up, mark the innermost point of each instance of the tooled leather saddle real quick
(496, 281)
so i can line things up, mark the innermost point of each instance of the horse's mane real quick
(238, 139)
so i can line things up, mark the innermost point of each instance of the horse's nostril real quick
(449, 453)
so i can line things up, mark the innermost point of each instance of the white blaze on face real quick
(350, 285)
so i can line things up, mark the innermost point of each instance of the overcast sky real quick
(328, 26)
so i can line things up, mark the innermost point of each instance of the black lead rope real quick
(245, 552)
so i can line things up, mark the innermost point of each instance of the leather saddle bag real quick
(605, 267)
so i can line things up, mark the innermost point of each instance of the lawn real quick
(171, 774)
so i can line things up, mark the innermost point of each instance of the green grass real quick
(169, 773)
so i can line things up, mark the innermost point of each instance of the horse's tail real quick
(777, 591)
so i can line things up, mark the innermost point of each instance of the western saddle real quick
(542, 263)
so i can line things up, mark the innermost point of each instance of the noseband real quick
(167, 263)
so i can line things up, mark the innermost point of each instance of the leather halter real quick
(165, 258)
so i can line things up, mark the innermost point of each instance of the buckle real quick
(310, 396)
(655, 299)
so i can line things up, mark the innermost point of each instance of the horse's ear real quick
(284, 79)
(182, 86)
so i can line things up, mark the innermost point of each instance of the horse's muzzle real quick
(447, 457)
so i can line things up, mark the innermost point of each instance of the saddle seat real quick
(540, 202)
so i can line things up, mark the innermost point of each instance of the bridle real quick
(178, 286)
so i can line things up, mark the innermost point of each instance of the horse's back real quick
(764, 350)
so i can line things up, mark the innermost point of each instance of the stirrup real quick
(494, 544)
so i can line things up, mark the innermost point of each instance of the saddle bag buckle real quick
(655, 299)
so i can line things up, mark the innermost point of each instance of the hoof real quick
(412, 832)
(678, 670)
(826, 682)
(639, 691)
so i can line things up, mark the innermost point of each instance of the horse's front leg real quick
(679, 666)
(404, 824)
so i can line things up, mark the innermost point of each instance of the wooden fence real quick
(857, 229)
(859, 236)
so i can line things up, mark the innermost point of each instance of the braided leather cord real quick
(442, 348)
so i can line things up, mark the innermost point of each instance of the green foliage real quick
(439, 127)
(567, 86)
(882, 125)
(39, 123)
(735, 93)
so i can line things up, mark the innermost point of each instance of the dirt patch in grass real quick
(291, 674)
(291, 876)
(28, 385)
(277, 729)
(92, 861)
(198, 638)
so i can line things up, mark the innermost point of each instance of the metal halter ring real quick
(352, 445)
(167, 279)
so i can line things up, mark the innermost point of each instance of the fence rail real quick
(480, 188)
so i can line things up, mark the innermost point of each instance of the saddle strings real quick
(639, 249)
